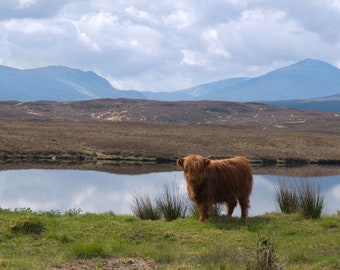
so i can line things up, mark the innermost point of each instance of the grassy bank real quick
(46, 240)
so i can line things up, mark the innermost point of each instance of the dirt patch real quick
(106, 264)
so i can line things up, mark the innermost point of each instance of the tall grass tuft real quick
(170, 203)
(286, 198)
(88, 250)
(143, 208)
(311, 202)
(304, 196)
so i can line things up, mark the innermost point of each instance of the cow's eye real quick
(193, 177)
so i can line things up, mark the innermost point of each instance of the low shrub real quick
(27, 225)
(73, 212)
(265, 254)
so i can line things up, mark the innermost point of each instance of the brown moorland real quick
(237, 115)
(124, 129)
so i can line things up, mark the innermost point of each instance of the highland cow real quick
(217, 181)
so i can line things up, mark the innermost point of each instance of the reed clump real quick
(169, 204)
(311, 202)
(286, 198)
(143, 208)
(302, 196)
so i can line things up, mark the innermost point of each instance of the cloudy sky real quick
(168, 45)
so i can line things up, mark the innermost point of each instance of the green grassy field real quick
(47, 240)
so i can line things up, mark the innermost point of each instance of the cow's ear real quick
(180, 162)
(206, 162)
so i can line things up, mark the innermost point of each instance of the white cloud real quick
(87, 41)
(82, 196)
(25, 3)
(139, 14)
(98, 21)
(334, 4)
(168, 45)
(192, 58)
(215, 46)
(179, 19)
(29, 26)
(262, 37)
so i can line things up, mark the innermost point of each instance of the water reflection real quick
(94, 191)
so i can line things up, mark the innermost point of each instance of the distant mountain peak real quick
(309, 61)
(306, 79)
(307, 65)
(310, 64)
(56, 83)
(309, 78)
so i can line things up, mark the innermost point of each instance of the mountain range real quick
(308, 84)
(56, 83)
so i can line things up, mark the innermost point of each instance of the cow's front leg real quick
(231, 204)
(203, 210)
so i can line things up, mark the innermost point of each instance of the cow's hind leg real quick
(244, 203)
(231, 206)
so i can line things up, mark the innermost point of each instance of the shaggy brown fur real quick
(215, 181)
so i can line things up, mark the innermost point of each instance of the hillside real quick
(303, 80)
(241, 115)
(56, 83)
(326, 104)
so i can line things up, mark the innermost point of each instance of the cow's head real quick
(193, 167)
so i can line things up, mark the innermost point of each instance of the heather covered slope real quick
(136, 142)
(240, 115)
(142, 130)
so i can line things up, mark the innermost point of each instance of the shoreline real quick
(142, 143)
(51, 158)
